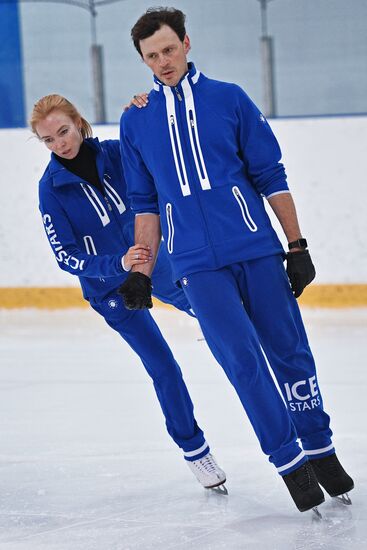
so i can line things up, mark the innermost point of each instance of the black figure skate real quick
(332, 477)
(304, 488)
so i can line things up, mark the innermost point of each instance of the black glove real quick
(300, 270)
(137, 291)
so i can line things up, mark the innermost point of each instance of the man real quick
(202, 156)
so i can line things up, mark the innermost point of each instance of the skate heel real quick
(343, 499)
(219, 489)
(332, 477)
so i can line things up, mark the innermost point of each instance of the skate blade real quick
(315, 510)
(219, 489)
(343, 499)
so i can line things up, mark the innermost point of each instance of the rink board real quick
(334, 296)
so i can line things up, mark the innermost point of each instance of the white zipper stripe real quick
(195, 78)
(190, 106)
(244, 209)
(171, 228)
(96, 203)
(171, 112)
(114, 196)
(89, 245)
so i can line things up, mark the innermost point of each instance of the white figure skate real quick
(208, 473)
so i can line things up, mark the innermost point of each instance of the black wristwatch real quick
(299, 243)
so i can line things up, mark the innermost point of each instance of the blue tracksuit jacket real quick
(209, 158)
(89, 233)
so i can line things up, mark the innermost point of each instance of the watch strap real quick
(299, 243)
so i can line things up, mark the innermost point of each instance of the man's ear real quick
(187, 44)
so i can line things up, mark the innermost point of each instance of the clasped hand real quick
(137, 255)
(137, 291)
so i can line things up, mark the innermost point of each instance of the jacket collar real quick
(62, 176)
(192, 76)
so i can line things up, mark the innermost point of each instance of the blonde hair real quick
(53, 102)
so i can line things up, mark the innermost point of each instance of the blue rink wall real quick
(11, 70)
(324, 159)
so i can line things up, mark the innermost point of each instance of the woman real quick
(90, 228)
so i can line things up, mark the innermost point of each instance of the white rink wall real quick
(325, 163)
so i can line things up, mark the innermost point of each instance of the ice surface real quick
(86, 463)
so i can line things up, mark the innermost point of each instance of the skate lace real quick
(303, 477)
(206, 464)
(329, 466)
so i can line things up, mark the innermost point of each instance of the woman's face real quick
(60, 134)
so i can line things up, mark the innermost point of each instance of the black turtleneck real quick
(84, 166)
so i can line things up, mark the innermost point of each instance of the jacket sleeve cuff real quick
(277, 193)
(123, 264)
(145, 210)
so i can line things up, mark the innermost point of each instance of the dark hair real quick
(153, 19)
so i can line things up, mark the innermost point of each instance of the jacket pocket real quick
(91, 250)
(89, 245)
(171, 229)
(244, 209)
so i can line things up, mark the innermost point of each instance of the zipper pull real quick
(178, 94)
(108, 203)
(191, 116)
(172, 120)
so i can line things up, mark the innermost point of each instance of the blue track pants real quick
(248, 306)
(140, 331)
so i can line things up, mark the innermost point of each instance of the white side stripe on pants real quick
(319, 451)
(292, 462)
(196, 451)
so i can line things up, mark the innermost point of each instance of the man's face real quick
(165, 54)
